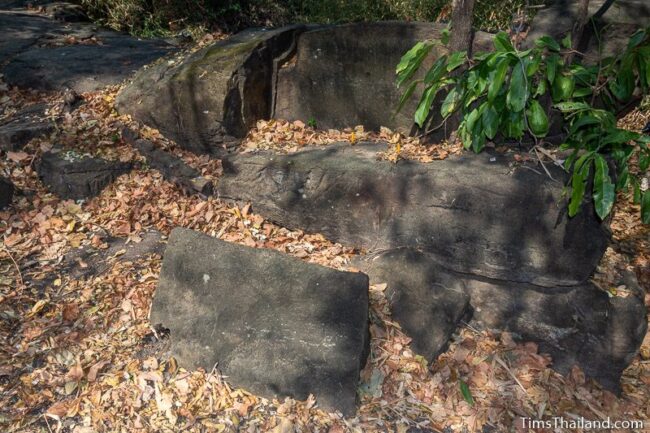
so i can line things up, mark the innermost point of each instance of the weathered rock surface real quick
(213, 97)
(71, 176)
(620, 21)
(343, 76)
(38, 55)
(477, 214)
(576, 325)
(337, 75)
(25, 125)
(428, 311)
(90, 261)
(6, 192)
(275, 325)
(172, 168)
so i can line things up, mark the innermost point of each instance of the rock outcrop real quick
(477, 214)
(45, 54)
(273, 324)
(73, 176)
(213, 97)
(25, 125)
(577, 325)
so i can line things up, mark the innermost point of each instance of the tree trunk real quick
(578, 28)
(461, 26)
(461, 39)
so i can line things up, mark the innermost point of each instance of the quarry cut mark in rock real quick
(273, 324)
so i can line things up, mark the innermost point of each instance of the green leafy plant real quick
(511, 94)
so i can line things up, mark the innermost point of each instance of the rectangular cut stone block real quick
(273, 324)
(479, 214)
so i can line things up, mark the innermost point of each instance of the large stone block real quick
(344, 75)
(214, 96)
(273, 324)
(577, 325)
(477, 214)
(73, 176)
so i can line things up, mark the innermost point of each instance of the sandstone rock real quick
(429, 312)
(6, 192)
(273, 324)
(620, 21)
(72, 176)
(343, 76)
(37, 55)
(577, 325)
(477, 214)
(214, 96)
(172, 168)
(27, 124)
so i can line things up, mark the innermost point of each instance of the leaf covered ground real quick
(78, 355)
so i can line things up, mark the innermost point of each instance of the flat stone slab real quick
(272, 324)
(37, 55)
(73, 176)
(25, 125)
(477, 214)
(577, 325)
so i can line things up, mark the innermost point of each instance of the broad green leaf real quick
(581, 92)
(537, 119)
(618, 136)
(424, 106)
(563, 87)
(456, 59)
(571, 106)
(451, 102)
(645, 207)
(584, 120)
(471, 119)
(552, 63)
(636, 39)
(410, 56)
(436, 71)
(498, 78)
(502, 42)
(532, 65)
(490, 121)
(623, 178)
(637, 193)
(517, 93)
(515, 124)
(541, 88)
(644, 161)
(444, 36)
(406, 95)
(547, 42)
(411, 61)
(478, 142)
(578, 181)
(566, 41)
(466, 393)
(604, 194)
